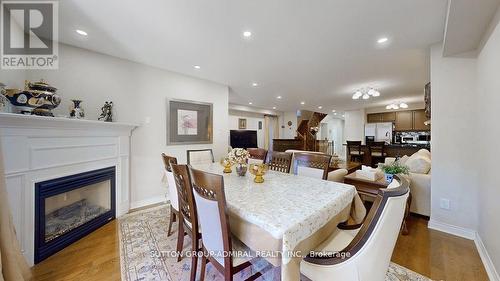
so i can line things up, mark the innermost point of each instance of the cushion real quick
(424, 152)
(403, 159)
(418, 164)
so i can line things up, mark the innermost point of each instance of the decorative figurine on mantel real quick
(76, 110)
(106, 112)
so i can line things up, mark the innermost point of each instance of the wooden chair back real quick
(354, 146)
(281, 161)
(200, 156)
(167, 160)
(187, 205)
(257, 153)
(208, 193)
(312, 164)
(376, 148)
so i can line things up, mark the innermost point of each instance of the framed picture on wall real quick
(242, 123)
(189, 122)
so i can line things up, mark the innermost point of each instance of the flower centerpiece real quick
(239, 156)
(392, 169)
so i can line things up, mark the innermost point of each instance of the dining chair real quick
(337, 175)
(208, 191)
(280, 161)
(257, 154)
(311, 165)
(354, 151)
(188, 218)
(377, 152)
(172, 190)
(200, 156)
(362, 254)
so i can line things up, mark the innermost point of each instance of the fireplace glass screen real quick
(69, 210)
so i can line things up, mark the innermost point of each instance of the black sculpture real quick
(106, 113)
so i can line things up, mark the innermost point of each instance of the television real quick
(243, 138)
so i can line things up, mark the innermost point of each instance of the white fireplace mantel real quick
(37, 148)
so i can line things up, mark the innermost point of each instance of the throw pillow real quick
(403, 159)
(418, 164)
(424, 152)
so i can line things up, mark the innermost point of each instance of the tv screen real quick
(243, 138)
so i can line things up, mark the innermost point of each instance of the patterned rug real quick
(147, 253)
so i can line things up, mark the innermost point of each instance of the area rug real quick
(146, 253)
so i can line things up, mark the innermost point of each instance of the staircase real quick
(311, 119)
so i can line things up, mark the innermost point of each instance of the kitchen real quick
(404, 132)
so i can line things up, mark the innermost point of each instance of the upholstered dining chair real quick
(208, 191)
(257, 155)
(188, 218)
(280, 161)
(172, 190)
(354, 151)
(311, 165)
(362, 254)
(337, 175)
(200, 156)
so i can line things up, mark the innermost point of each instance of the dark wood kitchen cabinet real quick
(419, 119)
(389, 117)
(374, 117)
(404, 121)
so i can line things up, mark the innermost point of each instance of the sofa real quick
(420, 180)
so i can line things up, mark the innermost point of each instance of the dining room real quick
(248, 140)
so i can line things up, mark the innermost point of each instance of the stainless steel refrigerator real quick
(379, 131)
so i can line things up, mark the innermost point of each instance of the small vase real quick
(241, 170)
(77, 111)
(389, 177)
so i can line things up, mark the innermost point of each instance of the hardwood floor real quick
(438, 255)
(434, 254)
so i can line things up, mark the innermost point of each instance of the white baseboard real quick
(149, 201)
(485, 257)
(452, 229)
(472, 235)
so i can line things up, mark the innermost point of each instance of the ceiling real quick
(318, 52)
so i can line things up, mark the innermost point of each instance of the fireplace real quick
(68, 208)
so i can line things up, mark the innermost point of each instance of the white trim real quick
(485, 257)
(147, 202)
(452, 229)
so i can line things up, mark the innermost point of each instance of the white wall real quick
(138, 93)
(335, 132)
(488, 103)
(354, 125)
(253, 120)
(289, 132)
(454, 140)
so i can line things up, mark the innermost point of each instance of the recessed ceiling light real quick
(278, 97)
(255, 84)
(302, 102)
(81, 32)
(274, 107)
(335, 113)
(197, 67)
(382, 40)
(250, 103)
(320, 107)
(247, 34)
(343, 115)
(333, 110)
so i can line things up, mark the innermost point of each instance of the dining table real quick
(286, 216)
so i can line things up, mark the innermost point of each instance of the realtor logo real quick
(29, 34)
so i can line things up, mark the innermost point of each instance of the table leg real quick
(404, 227)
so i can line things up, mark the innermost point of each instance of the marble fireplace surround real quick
(37, 148)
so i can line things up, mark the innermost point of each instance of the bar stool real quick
(354, 151)
(377, 152)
